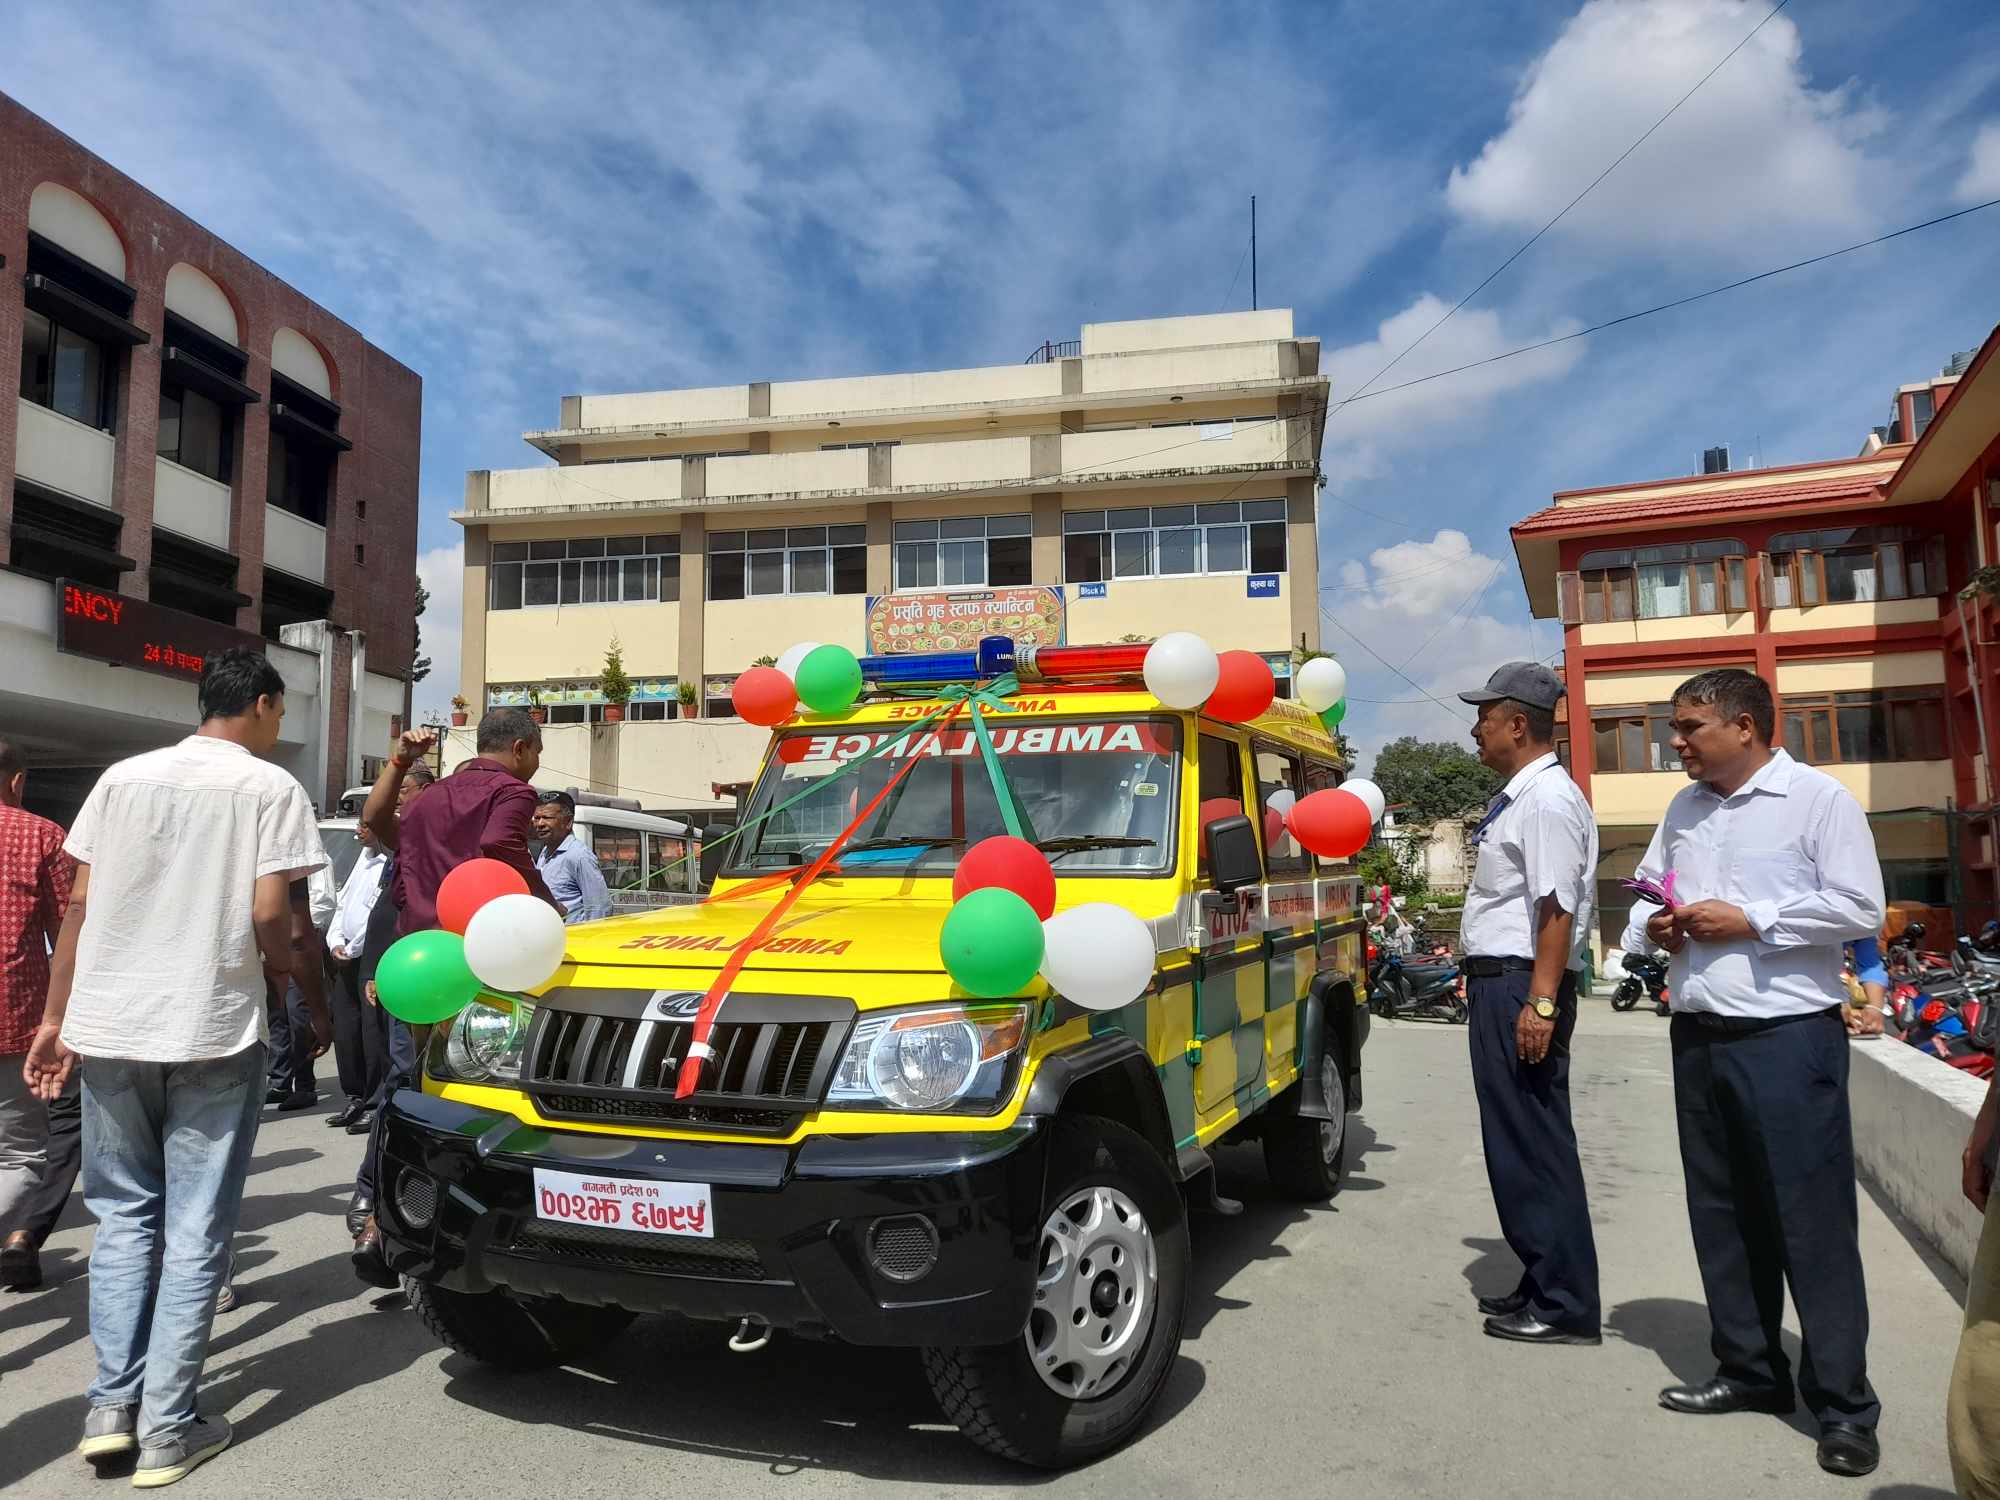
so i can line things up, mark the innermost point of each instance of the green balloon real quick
(1331, 717)
(991, 943)
(424, 978)
(829, 679)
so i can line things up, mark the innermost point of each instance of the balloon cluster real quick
(823, 679)
(1003, 930)
(491, 934)
(1183, 671)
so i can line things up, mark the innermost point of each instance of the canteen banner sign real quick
(955, 619)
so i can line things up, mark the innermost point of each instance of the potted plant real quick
(458, 711)
(690, 701)
(765, 661)
(535, 710)
(614, 684)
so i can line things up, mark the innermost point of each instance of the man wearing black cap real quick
(1527, 919)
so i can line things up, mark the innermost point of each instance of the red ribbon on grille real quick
(704, 1020)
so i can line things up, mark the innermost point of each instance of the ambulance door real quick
(1229, 973)
(1289, 914)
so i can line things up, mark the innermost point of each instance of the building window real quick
(1659, 583)
(967, 552)
(648, 711)
(1923, 407)
(716, 702)
(301, 474)
(863, 443)
(778, 560)
(65, 371)
(196, 431)
(1856, 728)
(1633, 739)
(584, 570)
(1166, 541)
(1852, 565)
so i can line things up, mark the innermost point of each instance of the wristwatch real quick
(1543, 1006)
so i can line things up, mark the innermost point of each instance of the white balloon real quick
(789, 662)
(1370, 793)
(1319, 684)
(1097, 955)
(1181, 669)
(515, 942)
(1282, 801)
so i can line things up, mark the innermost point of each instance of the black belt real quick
(1713, 1022)
(1491, 968)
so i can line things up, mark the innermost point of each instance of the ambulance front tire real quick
(1304, 1158)
(510, 1332)
(1113, 1223)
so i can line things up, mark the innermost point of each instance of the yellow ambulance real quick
(873, 1156)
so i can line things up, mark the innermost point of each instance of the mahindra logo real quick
(673, 1005)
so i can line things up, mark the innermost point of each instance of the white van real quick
(647, 861)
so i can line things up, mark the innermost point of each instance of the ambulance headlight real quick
(942, 1058)
(484, 1043)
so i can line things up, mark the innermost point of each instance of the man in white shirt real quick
(1525, 930)
(190, 864)
(359, 1064)
(1774, 869)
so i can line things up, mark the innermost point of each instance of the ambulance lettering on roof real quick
(1135, 737)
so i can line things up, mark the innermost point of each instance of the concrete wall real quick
(1912, 1114)
(1856, 616)
(192, 504)
(294, 544)
(1217, 606)
(1892, 669)
(63, 454)
(1680, 628)
(525, 645)
(741, 630)
(1177, 333)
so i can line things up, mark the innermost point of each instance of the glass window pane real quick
(850, 569)
(1737, 576)
(1083, 520)
(1126, 520)
(767, 573)
(640, 578)
(809, 574)
(624, 546)
(1663, 591)
(547, 551)
(1180, 550)
(591, 584)
(77, 384)
(1218, 510)
(1782, 565)
(1173, 515)
(670, 543)
(805, 536)
(1263, 510)
(725, 541)
(510, 552)
(962, 527)
(586, 546)
(847, 536)
(1083, 559)
(1854, 728)
(1593, 597)
(1267, 547)
(916, 531)
(572, 582)
(916, 565)
(1007, 526)
(1228, 549)
(1795, 735)
(538, 583)
(1604, 743)
(962, 562)
(35, 339)
(1132, 554)
(1660, 730)
(1890, 556)
(1618, 586)
(725, 575)
(1809, 578)
(1632, 744)
(1820, 724)
(769, 536)
(1850, 575)
(168, 443)
(1009, 560)
(504, 588)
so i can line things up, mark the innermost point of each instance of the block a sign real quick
(956, 619)
(1090, 591)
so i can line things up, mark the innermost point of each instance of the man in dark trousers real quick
(1774, 870)
(1526, 924)
(482, 810)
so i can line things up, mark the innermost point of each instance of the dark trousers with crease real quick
(353, 1019)
(1768, 1148)
(1531, 1155)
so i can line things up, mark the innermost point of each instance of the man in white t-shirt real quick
(191, 863)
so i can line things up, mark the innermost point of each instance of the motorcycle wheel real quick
(1627, 995)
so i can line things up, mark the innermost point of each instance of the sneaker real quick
(167, 1462)
(108, 1432)
(225, 1300)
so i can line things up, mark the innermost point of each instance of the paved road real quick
(1328, 1352)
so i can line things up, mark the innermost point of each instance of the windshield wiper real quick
(1076, 843)
(862, 846)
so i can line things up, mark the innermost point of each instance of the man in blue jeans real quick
(190, 863)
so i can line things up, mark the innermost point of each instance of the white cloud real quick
(1756, 160)
(1981, 182)
(442, 571)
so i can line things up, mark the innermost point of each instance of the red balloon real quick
(764, 695)
(1209, 811)
(470, 886)
(1244, 688)
(1334, 822)
(1012, 864)
(1274, 828)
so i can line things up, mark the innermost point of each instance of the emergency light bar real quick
(997, 655)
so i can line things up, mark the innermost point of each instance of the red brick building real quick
(195, 436)
(1836, 581)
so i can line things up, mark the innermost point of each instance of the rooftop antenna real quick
(1253, 252)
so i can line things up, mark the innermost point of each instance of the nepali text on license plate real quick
(624, 1203)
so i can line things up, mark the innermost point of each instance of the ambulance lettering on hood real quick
(687, 942)
(1039, 739)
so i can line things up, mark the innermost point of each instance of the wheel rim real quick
(1333, 1131)
(1095, 1295)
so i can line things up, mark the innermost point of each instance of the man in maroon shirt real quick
(38, 1141)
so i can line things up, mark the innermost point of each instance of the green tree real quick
(612, 681)
(1431, 779)
(1384, 863)
(420, 664)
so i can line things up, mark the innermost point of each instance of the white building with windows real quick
(1150, 476)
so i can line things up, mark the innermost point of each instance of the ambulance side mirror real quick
(1233, 860)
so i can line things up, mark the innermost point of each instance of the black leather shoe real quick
(20, 1263)
(291, 1104)
(1718, 1397)
(1525, 1328)
(346, 1114)
(1501, 1307)
(368, 1261)
(1847, 1449)
(362, 1123)
(360, 1209)
(275, 1096)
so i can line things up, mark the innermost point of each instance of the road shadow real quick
(1910, 1492)
(1677, 1331)
(1493, 1270)
(1946, 1273)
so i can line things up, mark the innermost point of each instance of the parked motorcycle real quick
(1397, 989)
(1644, 975)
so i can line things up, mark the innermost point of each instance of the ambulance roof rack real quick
(997, 655)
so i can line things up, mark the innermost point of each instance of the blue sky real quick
(521, 202)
